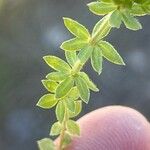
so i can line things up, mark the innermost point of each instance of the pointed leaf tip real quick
(97, 60)
(47, 101)
(76, 28)
(50, 85)
(55, 129)
(130, 21)
(101, 8)
(83, 89)
(46, 144)
(73, 127)
(88, 81)
(110, 53)
(75, 44)
(57, 63)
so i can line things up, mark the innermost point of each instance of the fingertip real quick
(113, 128)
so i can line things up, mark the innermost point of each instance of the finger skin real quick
(113, 128)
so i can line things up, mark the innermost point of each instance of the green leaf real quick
(85, 53)
(110, 53)
(60, 111)
(146, 3)
(137, 10)
(140, 1)
(56, 129)
(76, 28)
(73, 94)
(46, 144)
(47, 101)
(106, 1)
(73, 44)
(67, 140)
(101, 8)
(70, 104)
(64, 87)
(115, 19)
(50, 85)
(97, 60)
(88, 81)
(73, 127)
(71, 57)
(78, 108)
(131, 22)
(102, 28)
(57, 63)
(57, 76)
(146, 7)
(124, 3)
(83, 89)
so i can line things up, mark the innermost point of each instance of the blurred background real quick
(30, 29)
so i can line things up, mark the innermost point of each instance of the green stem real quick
(62, 134)
(79, 65)
(61, 138)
